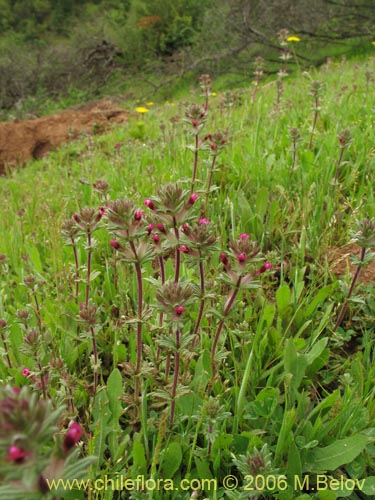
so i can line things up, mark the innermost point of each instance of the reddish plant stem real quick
(87, 298)
(210, 179)
(76, 263)
(294, 155)
(175, 375)
(139, 322)
(228, 307)
(6, 350)
(354, 280)
(161, 314)
(202, 304)
(89, 252)
(339, 164)
(195, 162)
(42, 380)
(316, 113)
(177, 253)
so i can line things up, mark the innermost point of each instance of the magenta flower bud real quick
(75, 216)
(193, 198)
(267, 265)
(213, 146)
(16, 390)
(156, 238)
(26, 372)
(115, 244)
(150, 228)
(208, 137)
(72, 436)
(161, 227)
(195, 123)
(241, 258)
(138, 214)
(203, 221)
(185, 228)
(224, 259)
(101, 211)
(15, 454)
(184, 249)
(179, 310)
(149, 203)
(244, 236)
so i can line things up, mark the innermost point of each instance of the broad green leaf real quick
(114, 392)
(368, 487)
(101, 416)
(294, 461)
(316, 350)
(261, 202)
(203, 468)
(283, 297)
(341, 452)
(139, 458)
(172, 459)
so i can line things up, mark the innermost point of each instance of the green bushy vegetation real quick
(58, 50)
(167, 307)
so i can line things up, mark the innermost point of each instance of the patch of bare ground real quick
(23, 140)
(339, 260)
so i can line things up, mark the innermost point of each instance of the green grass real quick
(285, 396)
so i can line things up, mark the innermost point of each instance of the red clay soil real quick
(22, 140)
(339, 260)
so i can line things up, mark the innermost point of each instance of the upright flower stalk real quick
(315, 91)
(238, 274)
(217, 142)
(344, 138)
(3, 333)
(126, 223)
(173, 298)
(87, 219)
(70, 231)
(196, 116)
(364, 236)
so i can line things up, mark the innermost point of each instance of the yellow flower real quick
(373, 43)
(141, 109)
(214, 94)
(293, 39)
(149, 103)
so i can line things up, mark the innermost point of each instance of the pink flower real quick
(267, 265)
(16, 390)
(161, 227)
(195, 123)
(149, 203)
(244, 236)
(156, 238)
(224, 259)
(203, 221)
(115, 244)
(179, 310)
(26, 372)
(15, 454)
(101, 211)
(150, 228)
(138, 214)
(184, 249)
(241, 258)
(72, 436)
(193, 198)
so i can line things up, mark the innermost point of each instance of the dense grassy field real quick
(167, 287)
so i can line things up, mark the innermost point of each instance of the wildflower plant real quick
(35, 448)
(364, 235)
